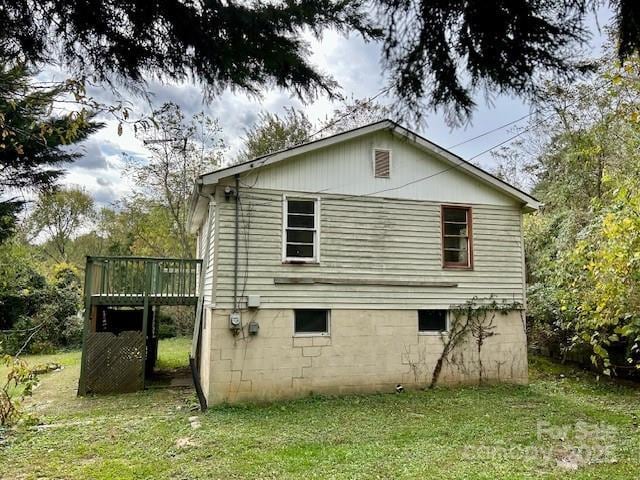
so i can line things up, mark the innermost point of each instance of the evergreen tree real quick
(243, 45)
(32, 137)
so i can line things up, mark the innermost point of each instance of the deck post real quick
(149, 274)
(88, 276)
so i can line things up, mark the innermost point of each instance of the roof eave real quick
(471, 169)
(198, 205)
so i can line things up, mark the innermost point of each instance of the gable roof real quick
(441, 153)
(450, 159)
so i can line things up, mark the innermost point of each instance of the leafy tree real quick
(273, 132)
(32, 139)
(582, 247)
(437, 54)
(42, 312)
(181, 149)
(60, 318)
(140, 227)
(598, 283)
(60, 215)
(354, 113)
(22, 285)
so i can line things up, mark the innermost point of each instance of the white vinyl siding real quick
(202, 246)
(371, 239)
(349, 168)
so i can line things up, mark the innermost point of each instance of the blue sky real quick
(352, 62)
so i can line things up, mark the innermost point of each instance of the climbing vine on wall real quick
(472, 320)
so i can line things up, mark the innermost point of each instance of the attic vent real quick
(382, 163)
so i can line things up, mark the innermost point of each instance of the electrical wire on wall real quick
(246, 219)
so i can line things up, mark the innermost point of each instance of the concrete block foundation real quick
(367, 351)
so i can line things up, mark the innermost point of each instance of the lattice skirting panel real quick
(115, 363)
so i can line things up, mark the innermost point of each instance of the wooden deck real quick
(128, 277)
(116, 354)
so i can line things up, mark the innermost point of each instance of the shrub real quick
(17, 385)
(38, 311)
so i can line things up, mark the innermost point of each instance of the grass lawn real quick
(563, 424)
(174, 353)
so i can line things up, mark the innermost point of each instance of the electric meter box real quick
(234, 320)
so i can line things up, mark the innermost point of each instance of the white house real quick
(334, 266)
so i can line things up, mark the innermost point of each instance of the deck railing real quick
(142, 276)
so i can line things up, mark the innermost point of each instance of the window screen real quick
(300, 229)
(432, 320)
(312, 322)
(456, 238)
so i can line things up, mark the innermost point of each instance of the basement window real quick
(311, 322)
(382, 163)
(457, 248)
(300, 232)
(432, 321)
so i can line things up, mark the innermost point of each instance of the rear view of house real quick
(339, 266)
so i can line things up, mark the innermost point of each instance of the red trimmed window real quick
(457, 249)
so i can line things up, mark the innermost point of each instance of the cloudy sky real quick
(352, 62)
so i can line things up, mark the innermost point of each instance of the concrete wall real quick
(367, 351)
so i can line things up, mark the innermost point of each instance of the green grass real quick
(174, 353)
(489, 432)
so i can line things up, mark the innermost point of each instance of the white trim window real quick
(311, 323)
(301, 230)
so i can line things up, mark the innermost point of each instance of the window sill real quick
(306, 335)
(300, 262)
(433, 333)
(457, 267)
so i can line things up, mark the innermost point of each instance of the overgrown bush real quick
(598, 283)
(176, 321)
(166, 326)
(14, 388)
(583, 247)
(546, 332)
(38, 312)
(22, 287)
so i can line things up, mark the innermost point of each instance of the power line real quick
(333, 123)
(440, 172)
(347, 113)
(493, 130)
(538, 123)
(458, 164)
(462, 162)
(452, 167)
(367, 102)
